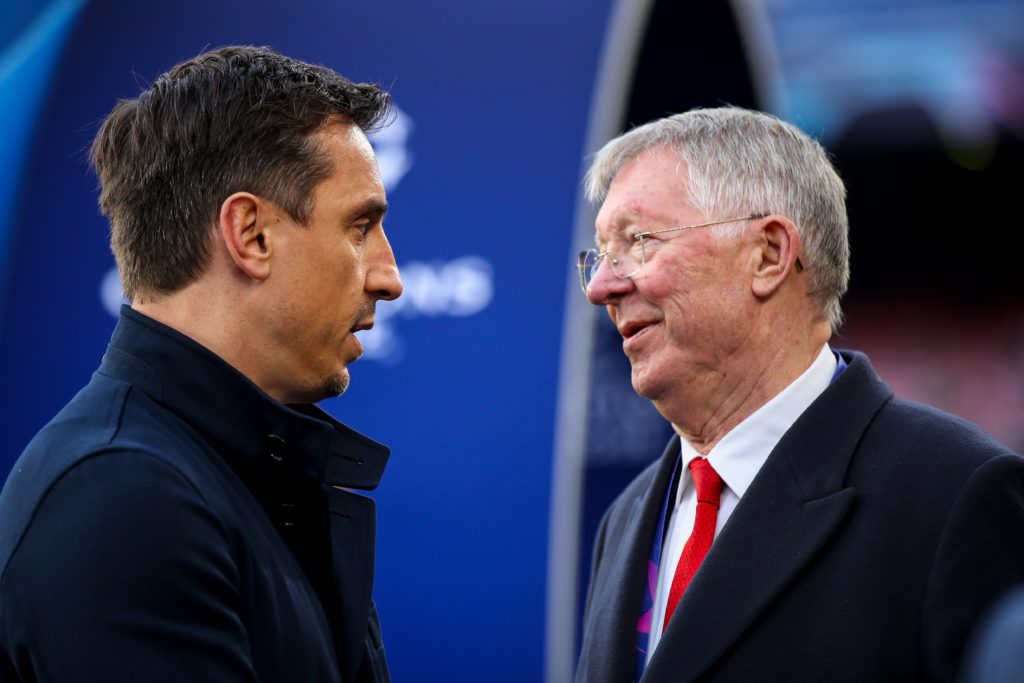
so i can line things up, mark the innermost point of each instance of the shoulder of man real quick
(106, 419)
(909, 426)
(947, 440)
(119, 536)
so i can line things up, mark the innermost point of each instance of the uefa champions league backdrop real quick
(460, 376)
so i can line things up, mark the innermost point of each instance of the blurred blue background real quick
(459, 379)
(504, 397)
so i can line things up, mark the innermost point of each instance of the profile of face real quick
(688, 309)
(329, 274)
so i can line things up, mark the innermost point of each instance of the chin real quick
(647, 382)
(336, 385)
(329, 386)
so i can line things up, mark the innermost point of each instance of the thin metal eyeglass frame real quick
(599, 256)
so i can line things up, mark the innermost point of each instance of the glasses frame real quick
(599, 256)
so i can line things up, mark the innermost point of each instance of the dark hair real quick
(230, 120)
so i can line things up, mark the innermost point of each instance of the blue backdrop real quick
(461, 376)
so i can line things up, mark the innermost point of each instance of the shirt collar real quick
(740, 454)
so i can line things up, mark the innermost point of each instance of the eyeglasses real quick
(627, 257)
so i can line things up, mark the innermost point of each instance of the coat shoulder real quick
(943, 442)
(107, 434)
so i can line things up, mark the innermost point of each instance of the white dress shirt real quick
(737, 458)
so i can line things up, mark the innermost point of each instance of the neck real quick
(707, 409)
(210, 316)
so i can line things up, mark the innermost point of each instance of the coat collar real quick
(230, 410)
(794, 505)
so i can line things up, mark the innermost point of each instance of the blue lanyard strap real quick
(643, 626)
(840, 366)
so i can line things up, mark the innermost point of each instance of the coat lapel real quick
(794, 505)
(353, 540)
(355, 462)
(617, 590)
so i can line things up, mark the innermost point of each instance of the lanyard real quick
(643, 626)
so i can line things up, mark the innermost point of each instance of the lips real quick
(364, 316)
(631, 329)
(364, 324)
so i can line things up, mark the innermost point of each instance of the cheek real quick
(692, 318)
(682, 327)
(677, 300)
(668, 279)
(659, 289)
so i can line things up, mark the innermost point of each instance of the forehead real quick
(650, 187)
(348, 147)
(355, 177)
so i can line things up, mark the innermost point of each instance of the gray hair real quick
(739, 162)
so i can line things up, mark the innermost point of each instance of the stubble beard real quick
(336, 385)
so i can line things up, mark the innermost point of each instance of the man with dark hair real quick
(186, 516)
(803, 524)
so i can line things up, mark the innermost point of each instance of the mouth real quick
(363, 325)
(364, 317)
(631, 329)
(359, 327)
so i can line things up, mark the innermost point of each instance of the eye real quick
(358, 232)
(623, 240)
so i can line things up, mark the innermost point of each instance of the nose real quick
(383, 281)
(606, 286)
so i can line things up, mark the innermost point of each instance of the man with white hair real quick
(803, 524)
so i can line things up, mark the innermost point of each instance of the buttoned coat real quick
(175, 523)
(866, 547)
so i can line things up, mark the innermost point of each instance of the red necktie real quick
(709, 493)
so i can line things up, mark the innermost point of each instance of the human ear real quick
(776, 256)
(245, 226)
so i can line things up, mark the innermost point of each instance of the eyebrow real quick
(621, 223)
(373, 207)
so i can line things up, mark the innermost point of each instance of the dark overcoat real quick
(865, 549)
(175, 523)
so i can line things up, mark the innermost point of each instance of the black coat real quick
(871, 540)
(175, 523)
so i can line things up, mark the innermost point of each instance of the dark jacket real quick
(175, 523)
(871, 540)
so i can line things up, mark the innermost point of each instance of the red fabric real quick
(709, 494)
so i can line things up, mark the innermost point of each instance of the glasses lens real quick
(587, 264)
(625, 260)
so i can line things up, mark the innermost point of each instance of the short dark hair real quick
(234, 119)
